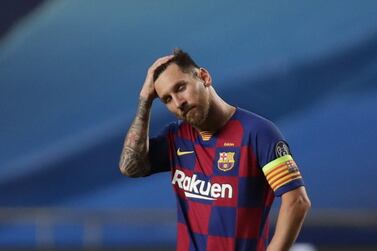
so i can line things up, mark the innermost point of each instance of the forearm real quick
(134, 158)
(291, 217)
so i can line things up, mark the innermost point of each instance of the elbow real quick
(305, 201)
(132, 170)
(297, 202)
(123, 170)
(133, 166)
(308, 204)
(303, 205)
(126, 171)
(126, 167)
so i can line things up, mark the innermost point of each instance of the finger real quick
(161, 61)
(165, 58)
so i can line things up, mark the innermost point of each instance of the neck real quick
(218, 115)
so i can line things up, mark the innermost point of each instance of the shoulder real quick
(177, 128)
(173, 126)
(255, 123)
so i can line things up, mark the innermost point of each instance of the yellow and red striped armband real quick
(281, 171)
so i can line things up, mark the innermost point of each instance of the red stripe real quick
(286, 179)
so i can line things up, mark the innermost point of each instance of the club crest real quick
(226, 161)
(292, 167)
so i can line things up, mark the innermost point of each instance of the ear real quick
(205, 76)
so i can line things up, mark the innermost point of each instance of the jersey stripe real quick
(285, 182)
(277, 172)
(206, 135)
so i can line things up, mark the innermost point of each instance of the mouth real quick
(184, 114)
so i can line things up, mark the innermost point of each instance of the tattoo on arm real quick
(134, 158)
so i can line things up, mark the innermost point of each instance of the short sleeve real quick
(275, 159)
(159, 151)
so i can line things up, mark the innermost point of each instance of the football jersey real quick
(225, 182)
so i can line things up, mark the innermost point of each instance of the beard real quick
(197, 112)
(197, 115)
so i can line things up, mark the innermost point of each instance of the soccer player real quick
(227, 164)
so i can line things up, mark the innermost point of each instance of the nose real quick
(179, 102)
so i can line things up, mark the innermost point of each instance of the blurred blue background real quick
(70, 74)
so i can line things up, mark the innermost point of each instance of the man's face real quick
(184, 94)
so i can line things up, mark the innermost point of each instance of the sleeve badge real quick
(281, 149)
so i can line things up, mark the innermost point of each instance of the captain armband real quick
(281, 171)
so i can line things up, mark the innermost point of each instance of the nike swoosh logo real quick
(180, 153)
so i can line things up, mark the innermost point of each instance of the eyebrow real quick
(178, 83)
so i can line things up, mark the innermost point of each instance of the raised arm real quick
(134, 161)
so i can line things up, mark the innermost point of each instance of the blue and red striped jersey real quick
(225, 182)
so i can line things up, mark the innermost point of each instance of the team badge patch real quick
(281, 149)
(226, 161)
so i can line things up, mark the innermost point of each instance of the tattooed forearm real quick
(134, 158)
(133, 164)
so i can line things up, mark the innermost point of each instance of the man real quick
(227, 163)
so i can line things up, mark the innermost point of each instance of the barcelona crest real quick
(292, 167)
(226, 161)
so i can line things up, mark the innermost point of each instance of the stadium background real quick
(70, 73)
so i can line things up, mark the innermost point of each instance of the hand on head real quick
(148, 91)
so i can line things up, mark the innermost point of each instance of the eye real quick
(166, 100)
(181, 88)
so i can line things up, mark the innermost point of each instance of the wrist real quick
(147, 96)
(146, 100)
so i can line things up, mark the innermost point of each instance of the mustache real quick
(186, 110)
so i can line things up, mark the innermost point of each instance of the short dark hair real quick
(181, 58)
